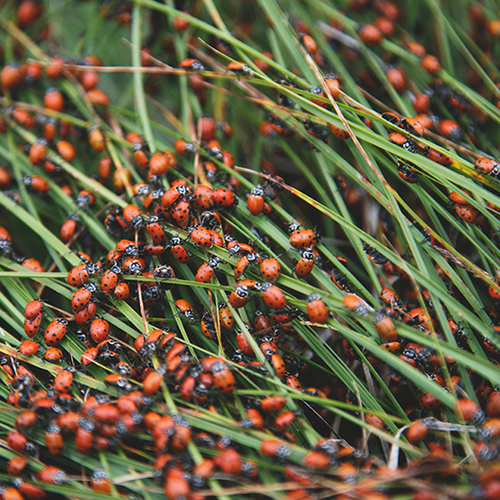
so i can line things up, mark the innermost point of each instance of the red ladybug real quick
(29, 348)
(53, 354)
(178, 251)
(99, 330)
(82, 297)
(239, 296)
(255, 201)
(487, 166)
(55, 332)
(274, 448)
(201, 236)
(33, 309)
(305, 264)
(155, 231)
(222, 377)
(273, 297)
(63, 381)
(31, 326)
(206, 270)
(192, 65)
(186, 308)
(78, 276)
(226, 318)
(273, 404)
(54, 440)
(240, 69)
(270, 269)
(224, 198)
(316, 309)
(109, 280)
(202, 197)
(122, 291)
(303, 238)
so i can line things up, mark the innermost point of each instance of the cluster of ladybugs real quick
(167, 231)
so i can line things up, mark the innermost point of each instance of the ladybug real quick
(282, 421)
(191, 65)
(99, 482)
(316, 309)
(239, 296)
(467, 213)
(273, 297)
(155, 231)
(241, 265)
(19, 443)
(487, 166)
(178, 251)
(202, 197)
(224, 198)
(29, 348)
(55, 332)
(305, 264)
(208, 327)
(89, 356)
(186, 308)
(132, 216)
(164, 272)
(278, 365)
(37, 151)
(31, 326)
(374, 255)
(201, 236)
(436, 156)
(255, 201)
(206, 270)
(53, 354)
(309, 44)
(78, 276)
(140, 155)
(226, 318)
(293, 382)
(316, 460)
(391, 118)
(33, 309)
(36, 183)
(240, 69)
(243, 344)
(385, 327)
(63, 381)
(450, 129)
(339, 132)
(109, 280)
(274, 448)
(82, 297)
(270, 269)
(413, 126)
(15, 467)
(32, 265)
(431, 64)
(99, 330)
(184, 148)
(223, 379)
(85, 199)
(54, 440)
(180, 212)
(391, 298)
(122, 291)
(370, 34)
(302, 239)
(469, 411)
(355, 303)
(429, 402)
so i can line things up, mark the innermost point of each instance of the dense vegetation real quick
(249, 249)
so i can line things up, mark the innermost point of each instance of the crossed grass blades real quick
(170, 376)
